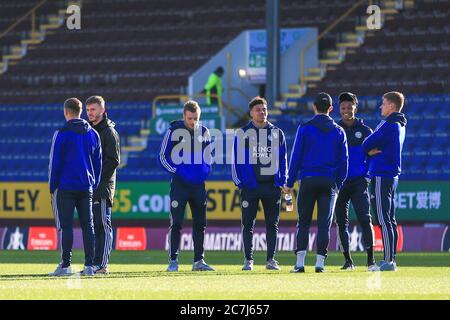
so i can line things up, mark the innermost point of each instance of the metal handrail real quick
(33, 19)
(320, 36)
(241, 92)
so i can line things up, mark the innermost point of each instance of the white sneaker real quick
(87, 271)
(248, 265)
(173, 266)
(373, 268)
(60, 271)
(201, 265)
(272, 265)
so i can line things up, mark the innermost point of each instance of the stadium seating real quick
(426, 154)
(12, 10)
(130, 51)
(411, 53)
(26, 133)
(134, 50)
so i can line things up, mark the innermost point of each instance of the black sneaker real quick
(297, 269)
(348, 265)
(319, 270)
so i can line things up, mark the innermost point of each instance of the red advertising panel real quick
(42, 238)
(131, 239)
(379, 239)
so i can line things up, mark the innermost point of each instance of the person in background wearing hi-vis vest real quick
(214, 87)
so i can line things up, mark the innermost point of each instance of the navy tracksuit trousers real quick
(270, 197)
(356, 191)
(323, 191)
(64, 203)
(382, 191)
(103, 232)
(181, 193)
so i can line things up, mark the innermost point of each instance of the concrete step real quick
(17, 49)
(10, 57)
(348, 44)
(389, 4)
(132, 148)
(350, 37)
(31, 41)
(409, 4)
(330, 61)
(48, 26)
(313, 78)
(36, 35)
(314, 70)
(76, 3)
(278, 104)
(276, 111)
(389, 11)
(55, 19)
(361, 28)
(332, 53)
(291, 95)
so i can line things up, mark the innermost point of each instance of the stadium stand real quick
(131, 51)
(122, 53)
(411, 53)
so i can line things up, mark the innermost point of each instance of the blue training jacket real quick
(193, 166)
(75, 158)
(246, 174)
(358, 162)
(387, 137)
(320, 150)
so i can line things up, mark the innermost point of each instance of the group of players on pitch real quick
(333, 163)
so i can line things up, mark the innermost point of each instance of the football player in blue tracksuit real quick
(74, 173)
(320, 160)
(259, 171)
(356, 186)
(384, 146)
(189, 166)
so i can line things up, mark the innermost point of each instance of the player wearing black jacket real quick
(104, 195)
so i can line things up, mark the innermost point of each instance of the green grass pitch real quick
(141, 275)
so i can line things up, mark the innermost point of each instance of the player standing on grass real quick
(104, 195)
(185, 153)
(259, 170)
(356, 185)
(320, 155)
(74, 173)
(384, 146)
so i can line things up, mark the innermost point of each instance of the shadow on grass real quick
(423, 259)
(127, 275)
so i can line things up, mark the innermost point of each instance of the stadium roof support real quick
(273, 51)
